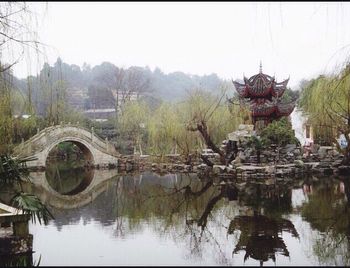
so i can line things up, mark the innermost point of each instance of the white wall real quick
(297, 124)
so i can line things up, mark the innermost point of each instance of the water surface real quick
(179, 219)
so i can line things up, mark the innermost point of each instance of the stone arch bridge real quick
(97, 151)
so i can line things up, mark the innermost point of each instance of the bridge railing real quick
(82, 133)
(96, 139)
(50, 135)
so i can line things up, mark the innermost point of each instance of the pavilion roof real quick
(272, 108)
(260, 85)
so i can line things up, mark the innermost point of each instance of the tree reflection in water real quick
(182, 206)
(220, 219)
(68, 178)
(260, 235)
(327, 211)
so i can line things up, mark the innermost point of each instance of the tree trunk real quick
(202, 128)
(207, 161)
(202, 222)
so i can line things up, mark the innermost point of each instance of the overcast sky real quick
(296, 39)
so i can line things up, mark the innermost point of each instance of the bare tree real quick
(129, 83)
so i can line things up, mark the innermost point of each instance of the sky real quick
(299, 40)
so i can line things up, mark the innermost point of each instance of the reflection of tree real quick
(190, 211)
(260, 236)
(68, 178)
(328, 211)
(228, 191)
(274, 199)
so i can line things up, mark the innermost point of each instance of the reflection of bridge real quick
(96, 151)
(47, 195)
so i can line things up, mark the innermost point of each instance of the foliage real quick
(326, 103)
(290, 95)
(17, 37)
(24, 128)
(133, 121)
(327, 211)
(6, 121)
(167, 130)
(279, 133)
(31, 204)
(256, 143)
(19, 261)
(174, 126)
(312, 102)
(18, 34)
(13, 171)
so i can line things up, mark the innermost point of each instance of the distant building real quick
(103, 112)
(76, 97)
(123, 96)
(100, 115)
(24, 116)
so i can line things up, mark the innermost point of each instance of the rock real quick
(328, 171)
(297, 152)
(323, 151)
(336, 163)
(299, 163)
(218, 169)
(270, 169)
(236, 161)
(129, 167)
(344, 170)
(241, 186)
(314, 148)
(187, 167)
(231, 170)
(202, 166)
(289, 148)
(270, 181)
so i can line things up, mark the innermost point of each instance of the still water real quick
(105, 218)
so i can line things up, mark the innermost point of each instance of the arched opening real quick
(70, 151)
(68, 167)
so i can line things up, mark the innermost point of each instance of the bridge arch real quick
(84, 146)
(100, 152)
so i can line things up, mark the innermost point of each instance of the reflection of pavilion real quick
(260, 236)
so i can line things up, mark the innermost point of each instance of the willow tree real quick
(168, 133)
(326, 102)
(200, 120)
(18, 38)
(312, 102)
(6, 122)
(133, 121)
(210, 116)
(163, 128)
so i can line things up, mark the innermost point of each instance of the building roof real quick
(260, 85)
(265, 107)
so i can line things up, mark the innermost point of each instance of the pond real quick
(106, 218)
